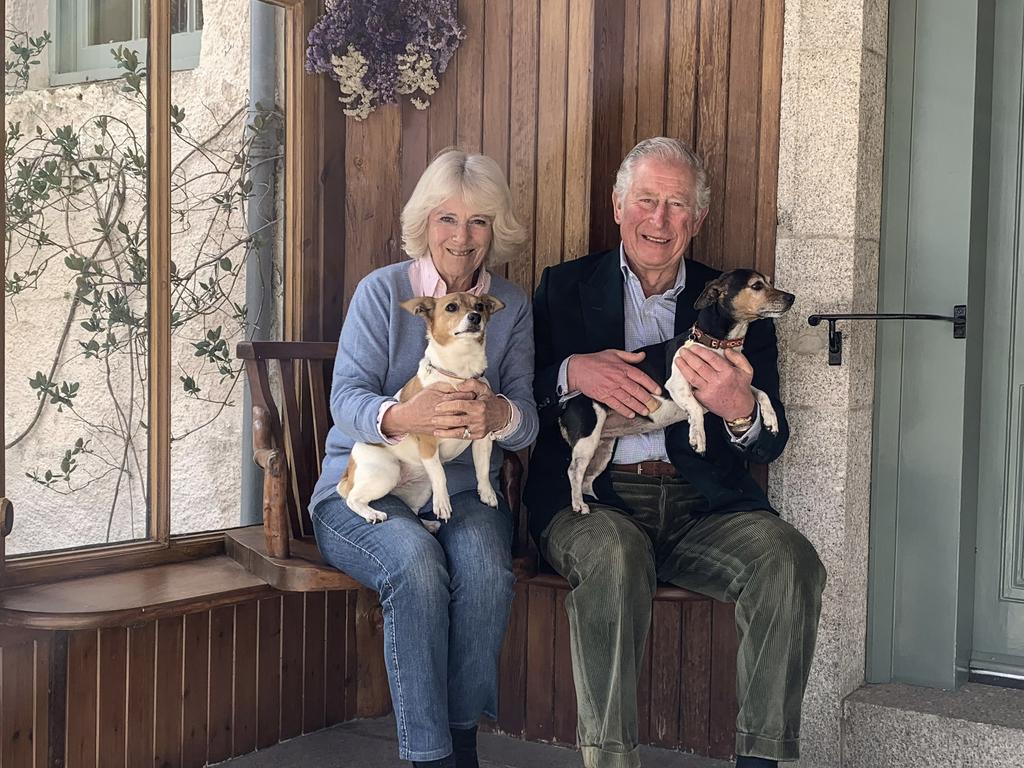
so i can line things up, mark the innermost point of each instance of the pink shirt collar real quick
(426, 281)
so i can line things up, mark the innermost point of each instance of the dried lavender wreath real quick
(379, 49)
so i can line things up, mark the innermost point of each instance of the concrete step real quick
(371, 744)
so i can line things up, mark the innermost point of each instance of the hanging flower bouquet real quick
(379, 49)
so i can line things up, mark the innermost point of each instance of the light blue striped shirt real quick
(649, 320)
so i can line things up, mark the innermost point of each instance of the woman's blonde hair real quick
(478, 180)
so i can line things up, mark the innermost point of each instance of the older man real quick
(663, 512)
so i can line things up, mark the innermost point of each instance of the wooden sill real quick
(117, 599)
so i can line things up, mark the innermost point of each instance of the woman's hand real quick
(417, 414)
(484, 414)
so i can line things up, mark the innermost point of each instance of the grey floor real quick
(371, 744)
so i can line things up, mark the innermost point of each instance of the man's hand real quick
(610, 378)
(720, 384)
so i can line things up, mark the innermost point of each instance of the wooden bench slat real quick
(115, 599)
(318, 403)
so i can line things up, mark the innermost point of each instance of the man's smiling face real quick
(657, 216)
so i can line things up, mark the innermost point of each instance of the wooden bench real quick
(687, 691)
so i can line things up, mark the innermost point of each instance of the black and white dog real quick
(726, 307)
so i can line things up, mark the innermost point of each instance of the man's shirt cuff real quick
(562, 385)
(749, 437)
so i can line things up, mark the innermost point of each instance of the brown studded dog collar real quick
(702, 337)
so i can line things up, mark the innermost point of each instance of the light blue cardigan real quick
(380, 349)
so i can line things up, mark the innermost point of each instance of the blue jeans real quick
(446, 602)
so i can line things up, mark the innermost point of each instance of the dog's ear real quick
(711, 294)
(421, 305)
(492, 303)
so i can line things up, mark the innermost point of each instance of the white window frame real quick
(73, 60)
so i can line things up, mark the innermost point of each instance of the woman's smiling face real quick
(458, 239)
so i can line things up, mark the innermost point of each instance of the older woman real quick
(445, 598)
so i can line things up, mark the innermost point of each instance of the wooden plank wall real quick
(557, 92)
(689, 703)
(191, 689)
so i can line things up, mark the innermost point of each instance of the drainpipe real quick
(259, 268)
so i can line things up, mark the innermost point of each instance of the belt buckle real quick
(640, 468)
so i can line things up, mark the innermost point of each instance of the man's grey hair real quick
(668, 150)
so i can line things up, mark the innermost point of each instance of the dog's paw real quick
(443, 508)
(488, 496)
(583, 508)
(431, 525)
(371, 515)
(698, 440)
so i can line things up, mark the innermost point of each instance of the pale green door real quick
(998, 645)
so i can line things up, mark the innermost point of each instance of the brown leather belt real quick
(648, 468)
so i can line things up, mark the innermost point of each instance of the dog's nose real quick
(473, 318)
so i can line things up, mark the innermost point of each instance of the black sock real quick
(464, 746)
(444, 762)
(745, 761)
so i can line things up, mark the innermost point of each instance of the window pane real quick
(110, 21)
(227, 210)
(75, 332)
(179, 16)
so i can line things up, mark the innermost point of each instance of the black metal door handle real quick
(835, 337)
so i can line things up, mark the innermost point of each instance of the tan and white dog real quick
(412, 468)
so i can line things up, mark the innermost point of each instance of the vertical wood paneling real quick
(579, 122)
(351, 655)
(643, 695)
(17, 668)
(651, 73)
(292, 612)
(496, 81)
(768, 136)
(372, 232)
(57, 701)
(141, 667)
(630, 70)
(313, 663)
(194, 694)
(81, 698)
(540, 669)
(712, 116)
(222, 651)
(523, 130)
(469, 62)
(609, 41)
(564, 729)
(169, 658)
(113, 671)
(335, 653)
(442, 117)
(723, 708)
(41, 685)
(551, 138)
(742, 135)
(696, 661)
(665, 647)
(245, 655)
(512, 686)
(415, 138)
(372, 696)
(268, 672)
(680, 119)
